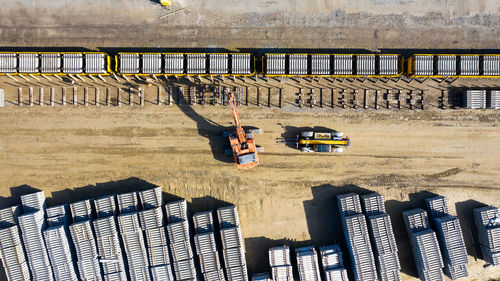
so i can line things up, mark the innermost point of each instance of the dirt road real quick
(75, 153)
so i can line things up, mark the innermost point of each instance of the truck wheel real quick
(307, 134)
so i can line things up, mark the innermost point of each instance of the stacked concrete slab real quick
(357, 237)
(58, 244)
(152, 223)
(425, 247)
(233, 249)
(281, 263)
(487, 220)
(307, 263)
(206, 249)
(180, 244)
(450, 237)
(382, 235)
(132, 237)
(333, 265)
(11, 248)
(32, 224)
(108, 241)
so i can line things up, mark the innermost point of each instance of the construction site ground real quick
(79, 152)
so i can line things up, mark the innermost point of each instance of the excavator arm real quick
(242, 136)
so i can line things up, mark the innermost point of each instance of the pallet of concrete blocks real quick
(342, 64)
(127, 202)
(214, 275)
(228, 216)
(178, 231)
(8, 216)
(128, 223)
(8, 63)
(158, 255)
(349, 204)
(12, 254)
(105, 206)
(281, 263)
(33, 202)
(205, 243)
(437, 206)
(162, 273)
(307, 263)
(57, 215)
(184, 270)
(181, 250)
(261, 277)
(333, 265)
(156, 237)
(234, 257)
(475, 99)
(109, 248)
(151, 198)
(203, 222)
(59, 253)
(231, 237)
(151, 218)
(487, 220)
(493, 100)
(373, 204)
(86, 250)
(81, 210)
(176, 211)
(238, 273)
(209, 262)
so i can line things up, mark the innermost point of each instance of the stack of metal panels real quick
(261, 277)
(446, 65)
(57, 215)
(151, 198)
(127, 202)
(86, 250)
(275, 64)
(50, 62)
(342, 65)
(108, 245)
(297, 64)
(365, 64)
(474, 99)
(174, 63)
(8, 62)
(196, 63)
(307, 262)
(233, 249)
(333, 265)
(180, 244)
(320, 64)
(81, 210)
(105, 206)
(129, 63)
(32, 225)
(388, 65)
(494, 100)
(487, 220)
(382, 235)
(424, 65)
(59, 252)
(95, 63)
(240, 64)
(425, 247)
(204, 241)
(151, 63)
(28, 63)
(469, 65)
(357, 238)
(218, 63)
(133, 241)
(281, 263)
(72, 63)
(491, 65)
(11, 249)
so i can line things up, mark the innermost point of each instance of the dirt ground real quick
(76, 153)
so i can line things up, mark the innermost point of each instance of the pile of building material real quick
(382, 235)
(108, 241)
(307, 263)
(233, 249)
(180, 244)
(206, 249)
(281, 263)
(132, 237)
(494, 99)
(425, 247)
(487, 221)
(151, 221)
(32, 224)
(333, 265)
(474, 99)
(450, 237)
(11, 247)
(357, 237)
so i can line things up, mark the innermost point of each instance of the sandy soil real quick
(76, 153)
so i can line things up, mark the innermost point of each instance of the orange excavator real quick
(242, 142)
